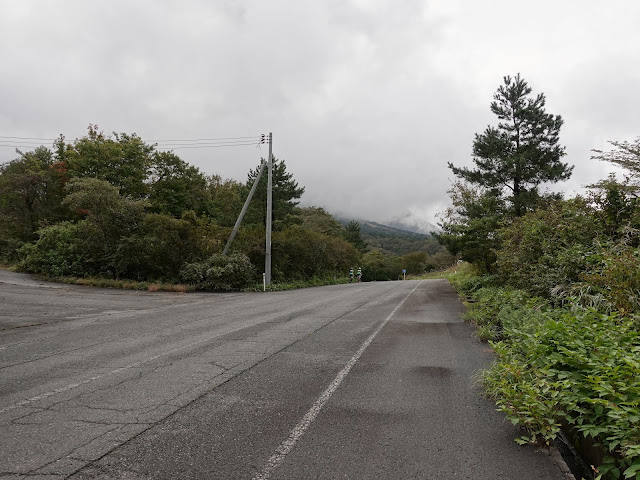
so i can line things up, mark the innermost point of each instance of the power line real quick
(189, 140)
(206, 139)
(169, 144)
(206, 146)
(179, 143)
(16, 142)
(28, 138)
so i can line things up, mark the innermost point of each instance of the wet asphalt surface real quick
(359, 381)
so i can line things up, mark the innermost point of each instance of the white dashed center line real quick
(287, 445)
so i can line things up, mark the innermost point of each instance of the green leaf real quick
(633, 470)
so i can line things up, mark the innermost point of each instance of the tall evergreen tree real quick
(522, 152)
(285, 195)
(352, 235)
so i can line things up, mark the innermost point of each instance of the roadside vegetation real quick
(553, 284)
(112, 210)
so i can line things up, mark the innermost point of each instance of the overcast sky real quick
(367, 99)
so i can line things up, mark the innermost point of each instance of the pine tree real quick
(286, 195)
(351, 234)
(522, 152)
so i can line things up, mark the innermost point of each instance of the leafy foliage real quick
(177, 186)
(559, 367)
(299, 253)
(57, 252)
(511, 161)
(627, 156)
(548, 248)
(114, 208)
(376, 266)
(220, 272)
(562, 313)
(31, 189)
(614, 277)
(470, 225)
(123, 160)
(319, 220)
(227, 198)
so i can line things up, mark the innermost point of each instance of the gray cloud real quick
(367, 100)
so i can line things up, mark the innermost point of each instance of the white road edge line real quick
(71, 386)
(287, 445)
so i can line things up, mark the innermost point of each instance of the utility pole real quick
(267, 258)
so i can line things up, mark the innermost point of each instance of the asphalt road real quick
(358, 381)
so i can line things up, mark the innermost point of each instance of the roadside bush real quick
(616, 278)
(56, 252)
(468, 283)
(312, 282)
(377, 266)
(220, 272)
(163, 246)
(577, 367)
(10, 248)
(491, 305)
(558, 367)
(549, 248)
(300, 254)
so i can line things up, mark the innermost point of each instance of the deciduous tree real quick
(31, 189)
(122, 160)
(319, 220)
(176, 186)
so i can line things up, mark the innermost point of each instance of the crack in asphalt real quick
(34, 471)
(260, 356)
(93, 464)
(164, 329)
(51, 355)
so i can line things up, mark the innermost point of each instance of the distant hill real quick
(414, 226)
(395, 240)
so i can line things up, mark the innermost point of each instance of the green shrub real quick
(468, 284)
(312, 282)
(573, 366)
(301, 254)
(220, 272)
(576, 367)
(161, 247)
(490, 306)
(56, 252)
(487, 332)
(378, 266)
(617, 278)
(548, 248)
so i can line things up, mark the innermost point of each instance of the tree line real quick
(556, 281)
(501, 221)
(114, 206)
